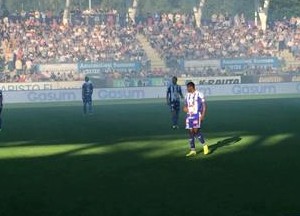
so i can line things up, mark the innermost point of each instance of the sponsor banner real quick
(254, 89)
(271, 79)
(239, 64)
(251, 89)
(296, 78)
(124, 93)
(75, 95)
(210, 80)
(40, 86)
(97, 67)
(148, 92)
(135, 82)
(57, 67)
(202, 64)
(41, 96)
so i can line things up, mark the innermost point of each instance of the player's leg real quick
(0, 119)
(199, 135)
(173, 114)
(196, 128)
(84, 106)
(90, 107)
(192, 144)
(201, 139)
(173, 118)
(176, 117)
(175, 109)
(189, 122)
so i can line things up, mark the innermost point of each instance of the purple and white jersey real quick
(193, 102)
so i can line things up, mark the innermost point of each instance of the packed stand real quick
(175, 37)
(28, 40)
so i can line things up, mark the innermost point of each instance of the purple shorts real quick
(193, 121)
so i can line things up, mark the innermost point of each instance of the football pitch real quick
(126, 160)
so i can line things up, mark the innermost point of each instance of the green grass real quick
(125, 160)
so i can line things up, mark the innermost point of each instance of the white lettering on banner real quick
(20, 87)
(107, 65)
(50, 96)
(121, 94)
(40, 86)
(210, 80)
(84, 66)
(264, 61)
(91, 71)
(125, 64)
(219, 81)
(255, 89)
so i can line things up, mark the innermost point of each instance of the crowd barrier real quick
(38, 96)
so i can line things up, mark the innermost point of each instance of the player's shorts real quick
(193, 121)
(87, 99)
(175, 106)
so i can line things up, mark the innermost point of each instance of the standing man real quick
(195, 107)
(87, 92)
(1, 106)
(174, 94)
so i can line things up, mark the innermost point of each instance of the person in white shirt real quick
(195, 108)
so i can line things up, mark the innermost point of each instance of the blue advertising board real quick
(120, 66)
(239, 64)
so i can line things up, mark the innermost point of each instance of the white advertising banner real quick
(148, 92)
(34, 86)
(219, 80)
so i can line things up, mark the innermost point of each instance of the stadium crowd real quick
(175, 37)
(30, 39)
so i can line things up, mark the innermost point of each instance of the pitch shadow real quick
(225, 142)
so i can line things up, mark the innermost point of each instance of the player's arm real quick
(1, 104)
(168, 95)
(1, 101)
(82, 92)
(185, 109)
(185, 106)
(92, 89)
(203, 112)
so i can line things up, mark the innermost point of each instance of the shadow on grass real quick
(131, 181)
(128, 182)
(225, 142)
